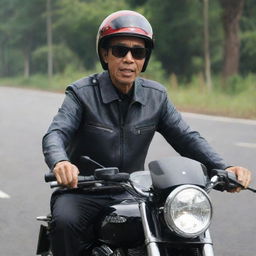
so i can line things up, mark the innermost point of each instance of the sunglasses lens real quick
(139, 53)
(121, 51)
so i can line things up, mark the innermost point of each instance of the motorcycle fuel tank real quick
(174, 171)
(122, 225)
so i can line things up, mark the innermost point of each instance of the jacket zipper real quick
(101, 128)
(145, 129)
(121, 123)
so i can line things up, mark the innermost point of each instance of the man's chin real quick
(126, 81)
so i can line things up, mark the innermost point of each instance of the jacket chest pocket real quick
(144, 129)
(97, 128)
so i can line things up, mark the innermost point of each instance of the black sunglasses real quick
(120, 51)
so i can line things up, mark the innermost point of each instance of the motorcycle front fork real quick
(151, 241)
(208, 248)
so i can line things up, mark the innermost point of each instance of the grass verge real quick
(241, 105)
(238, 100)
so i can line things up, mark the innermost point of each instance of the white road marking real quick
(219, 118)
(246, 145)
(3, 195)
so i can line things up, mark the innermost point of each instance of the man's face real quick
(124, 70)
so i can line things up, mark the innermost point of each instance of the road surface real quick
(24, 118)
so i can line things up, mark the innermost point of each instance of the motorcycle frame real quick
(221, 180)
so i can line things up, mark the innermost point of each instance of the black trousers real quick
(73, 216)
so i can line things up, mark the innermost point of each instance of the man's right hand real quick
(66, 174)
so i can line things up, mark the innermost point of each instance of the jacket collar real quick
(109, 94)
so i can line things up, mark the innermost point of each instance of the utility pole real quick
(207, 61)
(49, 37)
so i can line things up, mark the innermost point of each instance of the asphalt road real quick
(25, 116)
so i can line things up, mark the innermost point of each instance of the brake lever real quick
(229, 179)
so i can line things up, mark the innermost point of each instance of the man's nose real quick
(129, 57)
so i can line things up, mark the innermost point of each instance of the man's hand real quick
(244, 176)
(66, 174)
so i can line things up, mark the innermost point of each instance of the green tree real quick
(248, 38)
(232, 11)
(49, 11)
(6, 12)
(178, 29)
(22, 26)
(77, 24)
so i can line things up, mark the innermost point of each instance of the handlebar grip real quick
(48, 177)
(232, 177)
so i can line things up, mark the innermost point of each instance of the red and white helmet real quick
(124, 23)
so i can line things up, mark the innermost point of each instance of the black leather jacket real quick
(90, 123)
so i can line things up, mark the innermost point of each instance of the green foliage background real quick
(177, 60)
(178, 30)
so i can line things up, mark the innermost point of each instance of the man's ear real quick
(104, 54)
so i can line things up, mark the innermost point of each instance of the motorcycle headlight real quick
(188, 211)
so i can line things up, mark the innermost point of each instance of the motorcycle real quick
(169, 214)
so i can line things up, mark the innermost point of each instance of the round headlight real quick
(188, 211)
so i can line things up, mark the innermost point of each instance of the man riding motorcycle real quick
(112, 117)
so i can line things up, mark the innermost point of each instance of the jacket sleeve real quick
(184, 140)
(62, 129)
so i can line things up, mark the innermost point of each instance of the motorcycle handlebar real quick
(49, 177)
(227, 181)
(117, 177)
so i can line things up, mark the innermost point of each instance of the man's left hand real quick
(244, 176)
